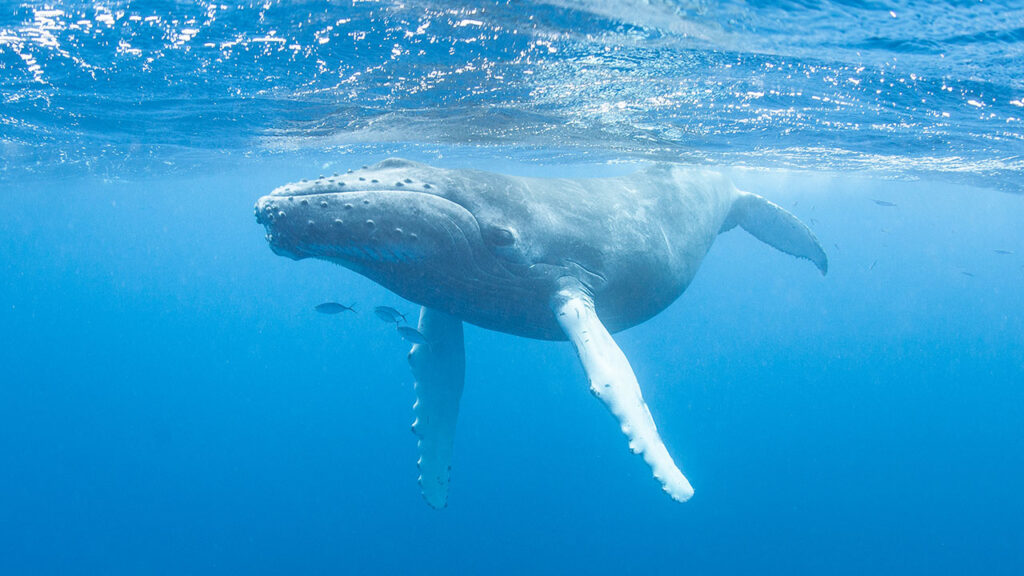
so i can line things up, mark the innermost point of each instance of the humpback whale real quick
(553, 259)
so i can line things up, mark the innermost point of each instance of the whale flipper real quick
(771, 224)
(612, 380)
(439, 366)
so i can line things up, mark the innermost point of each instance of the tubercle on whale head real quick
(383, 227)
(391, 174)
(394, 195)
(374, 213)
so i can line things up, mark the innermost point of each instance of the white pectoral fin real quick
(439, 366)
(612, 380)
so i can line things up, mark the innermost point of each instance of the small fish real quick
(872, 267)
(1005, 252)
(389, 314)
(885, 203)
(410, 334)
(968, 274)
(333, 308)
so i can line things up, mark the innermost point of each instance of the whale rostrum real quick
(553, 259)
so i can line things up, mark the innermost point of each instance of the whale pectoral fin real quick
(439, 366)
(771, 224)
(612, 380)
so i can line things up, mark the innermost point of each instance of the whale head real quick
(404, 225)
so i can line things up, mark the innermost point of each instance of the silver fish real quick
(389, 314)
(333, 308)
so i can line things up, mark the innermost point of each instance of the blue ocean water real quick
(170, 402)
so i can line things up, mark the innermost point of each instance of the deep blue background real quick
(170, 402)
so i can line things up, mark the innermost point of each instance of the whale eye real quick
(499, 236)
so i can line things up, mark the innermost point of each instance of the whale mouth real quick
(359, 228)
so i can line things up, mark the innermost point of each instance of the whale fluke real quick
(771, 224)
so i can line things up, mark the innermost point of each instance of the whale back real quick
(634, 242)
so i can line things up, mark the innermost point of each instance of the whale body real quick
(552, 259)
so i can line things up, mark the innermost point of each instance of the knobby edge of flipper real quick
(439, 367)
(773, 225)
(612, 380)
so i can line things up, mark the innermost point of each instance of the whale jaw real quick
(362, 227)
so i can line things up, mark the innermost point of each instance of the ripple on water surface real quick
(117, 87)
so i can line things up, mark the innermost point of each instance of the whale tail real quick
(771, 224)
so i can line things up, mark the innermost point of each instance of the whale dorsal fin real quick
(440, 370)
(612, 380)
(771, 224)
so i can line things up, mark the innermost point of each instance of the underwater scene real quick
(667, 286)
